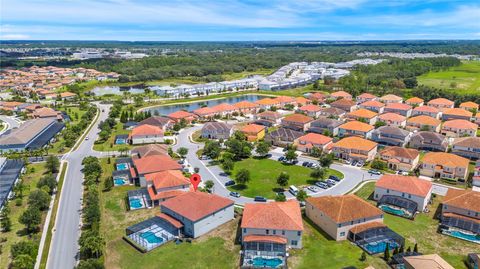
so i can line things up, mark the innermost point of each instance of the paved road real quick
(64, 248)
(352, 175)
(11, 122)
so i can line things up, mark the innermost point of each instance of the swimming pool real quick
(378, 247)
(265, 262)
(119, 181)
(122, 166)
(120, 141)
(394, 211)
(136, 203)
(151, 238)
(464, 236)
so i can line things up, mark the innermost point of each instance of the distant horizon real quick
(237, 41)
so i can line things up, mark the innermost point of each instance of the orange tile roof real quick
(180, 114)
(309, 108)
(317, 95)
(273, 215)
(146, 129)
(252, 128)
(414, 100)
(356, 126)
(155, 163)
(315, 138)
(163, 194)
(362, 113)
(265, 238)
(299, 118)
(301, 100)
(342, 94)
(269, 114)
(469, 105)
(197, 205)
(366, 95)
(424, 120)
(284, 99)
(343, 102)
(204, 111)
(406, 184)
(429, 109)
(398, 106)
(391, 97)
(466, 199)
(366, 226)
(354, 142)
(373, 103)
(245, 105)
(344, 208)
(224, 107)
(460, 124)
(389, 116)
(11, 104)
(266, 102)
(445, 159)
(172, 221)
(168, 178)
(441, 101)
(67, 94)
(457, 112)
(394, 152)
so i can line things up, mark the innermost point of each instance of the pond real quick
(167, 109)
(117, 90)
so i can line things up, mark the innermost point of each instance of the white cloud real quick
(14, 37)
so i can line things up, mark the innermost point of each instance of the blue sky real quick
(212, 20)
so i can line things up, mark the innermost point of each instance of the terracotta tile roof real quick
(146, 129)
(424, 120)
(391, 97)
(398, 106)
(372, 103)
(429, 109)
(224, 107)
(354, 142)
(469, 105)
(406, 153)
(391, 117)
(343, 102)
(273, 215)
(180, 114)
(460, 124)
(341, 94)
(469, 142)
(166, 179)
(445, 159)
(245, 105)
(414, 100)
(266, 102)
(197, 205)
(366, 226)
(163, 194)
(314, 138)
(160, 121)
(151, 149)
(457, 112)
(309, 108)
(44, 112)
(441, 101)
(406, 184)
(356, 126)
(299, 118)
(155, 163)
(67, 94)
(284, 99)
(301, 100)
(344, 208)
(367, 95)
(362, 113)
(265, 238)
(466, 199)
(171, 220)
(205, 111)
(269, 114)
(317, 96)
(433, 261)
(252, 128)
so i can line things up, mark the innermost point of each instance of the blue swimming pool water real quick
(122, 166)
(120, 141)
(392, 210)
(151, 238)
(264, 262)
(135, 203)
(465, 236)
(379, 247)
(119, 181)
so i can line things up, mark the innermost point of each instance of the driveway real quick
(11, 123)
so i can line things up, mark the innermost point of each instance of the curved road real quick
(11, 122)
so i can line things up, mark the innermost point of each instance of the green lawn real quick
(465, 77)
(75, 115)
(30, 179)
(264, 173)
(109, 145)
(423, 231)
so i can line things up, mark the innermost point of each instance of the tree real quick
(227, 165)
(209, 184)
(91, 245)
(326, 160)
(395, 251)
(290, 155)
(386, 253)
(90, 264)
(280, 197)
(23, 262)
(49, 181)
(379, 124)
(212, 149)
(262, 148)
(363, 257)
(108, 184)
(24, 248)
(378, 164)
(318, 173)
(52, 164)
(283, 179)
(182, 151)
(401, 249)
(316, 152)
(411, 82)
(5, 222)
(302, 195)
(409, 249)
(242, 177)
(415, 248)
(31, 218)
(39, 199)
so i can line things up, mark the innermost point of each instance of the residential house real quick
(391, 98)
(302, 101)
(46, 112)
(423, 123)
(441, 103)
(391, 135)
(365, 97)
(332, 112)
(363, 115)
(426, 261)
(309, 141)
(444, 165)
(337, 215)
(216, 130)
(456, 113)
(199, 212)
(246, 107)
(415, 102)
(152, 164)
(297, 122)
(159, 121)
(310, 110)
(325, 125)
(410, 188)
(165, 185)
(224, 109)
(253, 132)
(425, 140)
(399, 108)
(285, 100)
(355, 148)
(476, 174)
(67, 96)
(399, 158)
(427, 111)
(282, 137)
(341, 94)
(344, 104)
(267, 103)
(373, 105)
(459, 128)
(205, 113)
(268, 118)
(468, 147)
(469, 106)
(477, 118)
(355, 128)
(461, 213)
(393, 119)
(149, 150)
(146, 134)
(182, 115)
(317, 97)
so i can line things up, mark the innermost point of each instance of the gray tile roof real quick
(26, 132)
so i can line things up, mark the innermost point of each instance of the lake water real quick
(167, 109)
(116, 90)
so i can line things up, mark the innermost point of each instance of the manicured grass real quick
(466, 77)
(366, 191)
(30, 179)
(423, 231)
(214, 250)
(109, 145)
(75, 115)
(264, 173)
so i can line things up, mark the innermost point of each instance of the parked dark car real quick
(281, 159)
(332, 177)
(260, 199)
(229, 183)
(304, 163)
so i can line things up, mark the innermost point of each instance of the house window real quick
(342, 234)
(267, 231)
(244, 230)
(299, 233)
(283, 232)
(294, 242)
(409, 196)
(274, 231)
(388, 191)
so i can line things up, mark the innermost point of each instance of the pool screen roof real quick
(404, 203)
